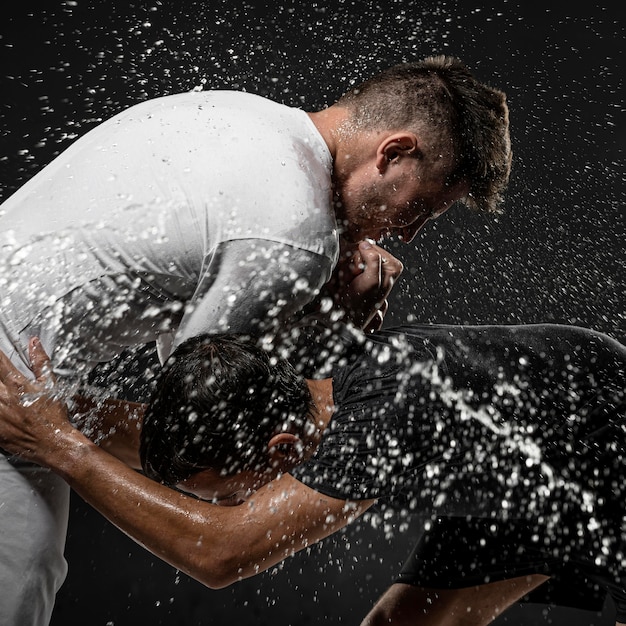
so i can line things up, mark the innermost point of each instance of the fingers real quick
(362, 281)
(14, 384)
(376, 322)
(350, 264)
(368, 291)
(40, 361)
(391, 270)
(381, 267)
(10, 376)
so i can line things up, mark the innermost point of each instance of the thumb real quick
(39, 361)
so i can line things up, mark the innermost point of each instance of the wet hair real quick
(218, 401)
(441, 97)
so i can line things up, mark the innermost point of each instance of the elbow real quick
(219, 580)
(216, 573)
(216, 584)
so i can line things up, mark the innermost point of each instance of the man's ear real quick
(396, 146)
(285, 450)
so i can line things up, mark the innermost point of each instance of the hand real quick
(362, 281)
(31, 419)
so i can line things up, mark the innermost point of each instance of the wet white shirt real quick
(184, 214)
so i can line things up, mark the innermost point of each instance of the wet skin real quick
(398, 205)
(211, 486)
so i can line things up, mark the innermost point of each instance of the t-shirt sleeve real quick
(371, 449)
(357, 460)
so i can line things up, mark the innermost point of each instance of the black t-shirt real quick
(492, 421)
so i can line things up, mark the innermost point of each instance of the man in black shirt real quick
(504, 422)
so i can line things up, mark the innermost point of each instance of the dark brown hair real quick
(441, 97)
(218, 401)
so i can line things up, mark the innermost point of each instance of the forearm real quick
(115, 425)
(188, 534)
(215, 545)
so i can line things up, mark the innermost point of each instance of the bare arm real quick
(115, 425)
(216, 545)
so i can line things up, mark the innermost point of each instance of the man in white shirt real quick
(222, 211)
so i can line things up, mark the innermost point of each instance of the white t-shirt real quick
(188, 213)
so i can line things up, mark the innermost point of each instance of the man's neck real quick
(329, 123)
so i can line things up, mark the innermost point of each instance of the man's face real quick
(225, 490)
(397, 202)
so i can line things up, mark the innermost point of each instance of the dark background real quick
(555, 255)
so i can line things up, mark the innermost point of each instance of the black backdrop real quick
(555, 255)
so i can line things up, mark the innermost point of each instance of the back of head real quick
(218, 401)
(439, 96)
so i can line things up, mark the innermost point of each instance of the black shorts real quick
(464, 552)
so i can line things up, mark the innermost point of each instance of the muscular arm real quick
(216, 545)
